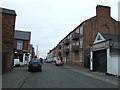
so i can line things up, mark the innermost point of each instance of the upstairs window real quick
(19, 44)
(70, 47)
(77, 31)
(81, 43)
(81, 30)
(81, 56)
(76, 43)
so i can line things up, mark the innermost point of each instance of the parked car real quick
(16, 62)
(58, 62)
(34, 65)
(48, 61)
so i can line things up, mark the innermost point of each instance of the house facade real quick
(104, 55)
(7, 18)
(53, 54)
(22, 46)
(75, 47)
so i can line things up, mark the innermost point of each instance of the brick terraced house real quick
(75, 47)
(8, 18)
(22, 46)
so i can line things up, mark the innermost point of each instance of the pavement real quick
(115, 80)
(16, 77)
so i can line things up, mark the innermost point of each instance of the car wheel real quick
(28, 69)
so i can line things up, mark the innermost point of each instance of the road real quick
(60, 77)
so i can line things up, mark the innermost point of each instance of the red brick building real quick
(8, 26)
(22, 46)
(75, 47)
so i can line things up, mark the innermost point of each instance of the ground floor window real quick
(81, 56)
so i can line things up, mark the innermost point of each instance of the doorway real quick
(100, 61)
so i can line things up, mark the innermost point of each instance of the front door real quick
(100, 61)
(21, 57)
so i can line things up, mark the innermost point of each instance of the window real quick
(68, 37)
(81, 30)
(81, 43)
(71, 37)
(77, 31)
(70, 47)
(81, 56)
(19, 44)
(76, 43)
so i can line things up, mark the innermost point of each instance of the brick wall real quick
(102, 22)
(8, 25)
(25, 45)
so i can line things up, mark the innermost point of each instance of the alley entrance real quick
(100, 61)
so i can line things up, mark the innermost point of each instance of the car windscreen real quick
(58, 61)
(35, 60)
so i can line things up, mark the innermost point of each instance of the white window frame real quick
(81, 30)
(70, 36)
(19, 44)
(76, 43)
(70, 47)
(77, 31)
(81, 56)
(81, 43)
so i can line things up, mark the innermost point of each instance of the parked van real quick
(16, 62)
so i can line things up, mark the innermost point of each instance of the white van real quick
(16, 62)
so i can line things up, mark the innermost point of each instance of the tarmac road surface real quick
(60, 77)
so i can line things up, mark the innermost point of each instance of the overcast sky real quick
(51, 20)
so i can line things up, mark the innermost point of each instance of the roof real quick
(24, 35)
(115, 43)
(8, 11)
(76, 28)
(113, 37)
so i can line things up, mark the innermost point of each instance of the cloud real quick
(51, 20)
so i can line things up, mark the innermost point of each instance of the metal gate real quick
(100, 61)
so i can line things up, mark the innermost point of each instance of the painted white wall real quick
(108, 61)
(29, 57)
(91, 60)
(113, 65)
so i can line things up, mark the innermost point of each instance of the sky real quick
(49, 21)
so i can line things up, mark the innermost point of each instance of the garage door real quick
(100, 61)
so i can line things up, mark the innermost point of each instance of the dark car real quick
(34, 65)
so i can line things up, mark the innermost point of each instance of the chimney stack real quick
(103, 11)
